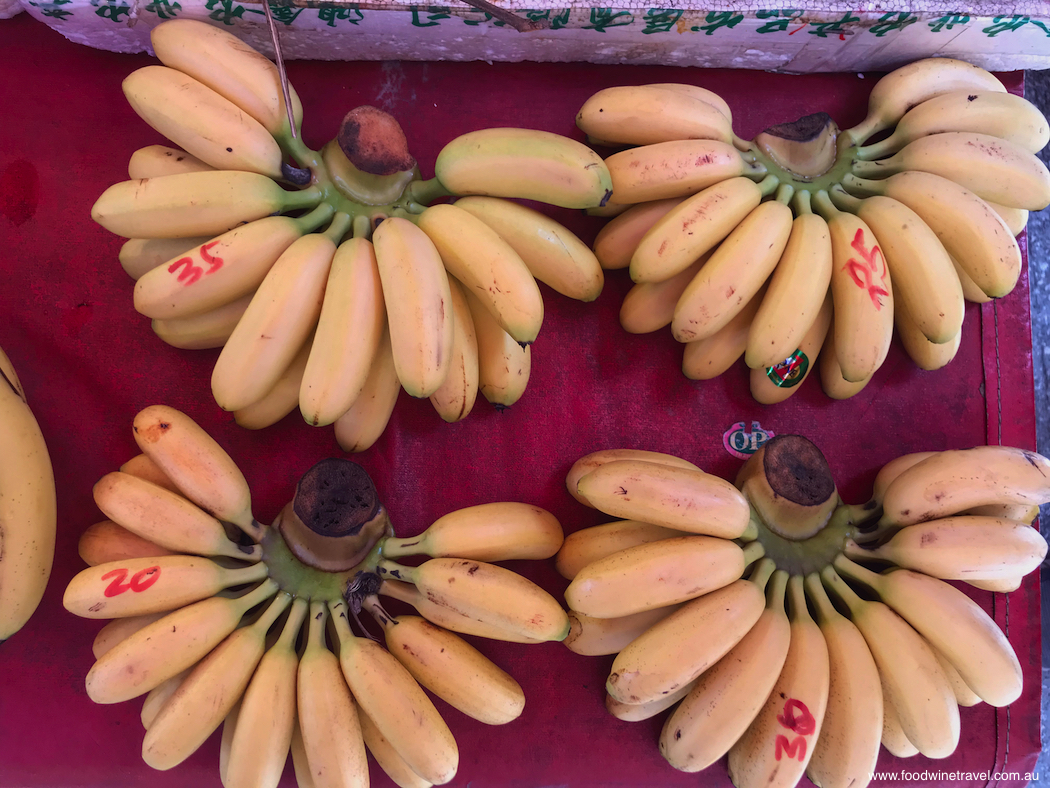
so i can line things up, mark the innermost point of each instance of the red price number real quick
(864, 271)
(796, 718)
(138, 583)
(190, 272)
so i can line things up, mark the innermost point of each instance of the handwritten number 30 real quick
(138, 583)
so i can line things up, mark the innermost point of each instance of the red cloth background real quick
(88, 363)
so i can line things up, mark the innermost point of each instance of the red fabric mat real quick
(88, 363)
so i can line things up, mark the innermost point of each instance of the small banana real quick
(204, 698)
(998, 586)
(676, 650)
(504, 366)
(501, 531)
(1003, 115)
(1016, 218)
(926, 354)
(154, 161)
(697, 92)
(451, 668)
(396, 704)
(693, 227)
(262, 735)
(890, 471)
(707, 358)
(158, 696)
(992, 168)
(916, 687)
(139, 256)
(204, 330)
(596, 459)
(795, 292)
(281, 400)
(778, 744)
(349, 329)
(592, 637)
(681, 498)
(636, 712)
(832, 380)
(456, 396)
(964, 696)
(194, 204)
(649, 306)
(229, 726)
(952, 481)
(526, 164)
(487, 593)
(676, 168)
(202, 122)
(386, 756)
(729, 695)
(169, 645)
(28, 506)
(197, 464)
(617, 240)
(1025, 513)
(647, 114)
(910, 85)
(137, 586)
(106, 541)
(488, 268)
(118, 630)
(893, 737)
(552, 252)
(971, 292)
(657, 574)
(360, 427)
(775, 384)
(584, 547)
(418, 304)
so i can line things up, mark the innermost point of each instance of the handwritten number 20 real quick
(138, 583)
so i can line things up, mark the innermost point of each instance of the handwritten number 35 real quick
(138, 583)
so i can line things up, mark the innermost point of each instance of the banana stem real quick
(396, 571)
(373, 606)
(823, 205)
(875, 169)
(425, 192)
(826, 611)
(318, 614)
(304, 156)
(878, 150)
(776, 589)
(862, 186)
(796, 593)
(844, 200)
(855, 571)
(293, 624)
(339, 227)
(836, 585)
(863, 131)
(743, 145)
(393, 547)
(751, 531)
(274, 610)
(301, 200)
(362, 226)
(322, 214)
(768, 185)
(341, 623)
(247, 574)
(266, 590)
(753, 552)
(784, 193)
(802, 203)
(763, 570)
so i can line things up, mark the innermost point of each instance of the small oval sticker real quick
(741, 442)
(789, 372)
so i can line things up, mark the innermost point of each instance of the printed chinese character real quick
(164, 9)
(887, 23)
(557, 19)
(717, 19)
(779, 20)
(1002, 24)
(948, 21)
(661, 20)
(330, 15)
(602, 18)
(224, 11)
(825, 29)
(433, 14)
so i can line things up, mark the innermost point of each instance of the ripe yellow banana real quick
(636, 712)
(592, 637)
(328, 715)
(456, 396)
(206, 696)
(488, 267)
(275, 325)
(451, 668)
(697, 92)
(504, 366)
(154, 161)
(303, 775)
(197, 464)
(1025, 513)
(616, 240)
(977, 239)
(582, 548)
(657, 574)
(281, 400)
(551, 251)
(954, 625)
(231, 68)
(647, 114)
(447, 617)
(487, 593)
(926, 354)
(728, 695)
(136, 586)
(158, 696)
(734, 273)
(914, 683)
(776, 384)
(676, 168)
(194, 204)
(794, 295)
(165, 518)
(962, 547)
(106, 541)
(396, 704)
(262, 735)
(1003, 115)
(1016, 218)
(845, 753)
(778, 744)
(525, 164)
(28, 506)
(693, 227)
(418, 304)
(649, 306)
(971, 292)
(386, 756)
(954, 480)
(222, 270)
(501, 531)
(169, 645)
(349, 330)
(998, 586)
(202, 122)
(964, 696)
(118, 630)
(707, 358)
(361, 425)
(679, 648)
(204, 330)
(596, 459)
(893, 737)
(139, 256)
(888, 473)
(992, 168)
(831, 379)
(229, 726)
(915, 83)
(681, 498)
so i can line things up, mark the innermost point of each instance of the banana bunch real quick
(218, 620)
(324, 276)
(809, 238)
(28, 506)
(789, 630)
